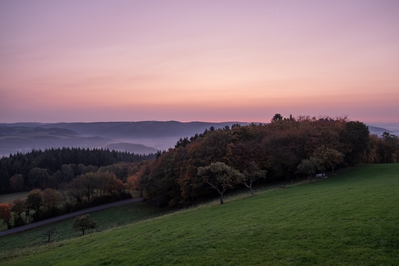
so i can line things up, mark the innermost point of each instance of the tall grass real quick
(350, 219)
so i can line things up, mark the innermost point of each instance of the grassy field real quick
(106, 219)
(350, 219)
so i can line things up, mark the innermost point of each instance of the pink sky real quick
(86, 61)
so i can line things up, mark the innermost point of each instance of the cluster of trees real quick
(64, 180)
(90, 189)
(286, 148)
(384, 149)
(53, 167)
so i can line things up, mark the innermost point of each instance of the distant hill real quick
(379, 128)
(143, 129)
(24, 139)
(138, 137)
(132, 148)
(34, 131)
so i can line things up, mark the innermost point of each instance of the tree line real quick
(52, 167)
(86, 190)
(285, 149)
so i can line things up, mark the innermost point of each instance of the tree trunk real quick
(221, 198)
(249, 186)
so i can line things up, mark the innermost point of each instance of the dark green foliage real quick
(308, 167)
(41, 169)
(4, 177)
(355, 138)
(40, 178)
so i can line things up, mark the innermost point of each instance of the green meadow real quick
(351, 218)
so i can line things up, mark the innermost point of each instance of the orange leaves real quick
(5, 213)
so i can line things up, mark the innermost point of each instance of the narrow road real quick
(67, 216)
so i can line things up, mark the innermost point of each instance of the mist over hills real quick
(137, 137)
(379, 128)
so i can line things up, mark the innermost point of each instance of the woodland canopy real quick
(278, 148)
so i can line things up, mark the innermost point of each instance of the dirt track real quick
(67, 216)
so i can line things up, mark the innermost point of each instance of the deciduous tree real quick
(220, 177)
(83, 223)
(308, 167)
(327, 158)
(5, 213)
(51, 198)
(252, 174)
(34, 201)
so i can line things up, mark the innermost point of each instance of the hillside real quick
(349, 219)
(23, 139)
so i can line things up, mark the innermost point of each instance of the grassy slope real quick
(351, 219)
(106, 219)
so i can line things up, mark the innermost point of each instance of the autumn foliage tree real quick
(278, 148)
(51, 199)
(5, 213)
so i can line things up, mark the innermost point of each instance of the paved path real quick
(67, 216)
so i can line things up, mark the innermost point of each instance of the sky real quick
(218, 60)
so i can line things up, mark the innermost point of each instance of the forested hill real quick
(52, 167)
(285, 149)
